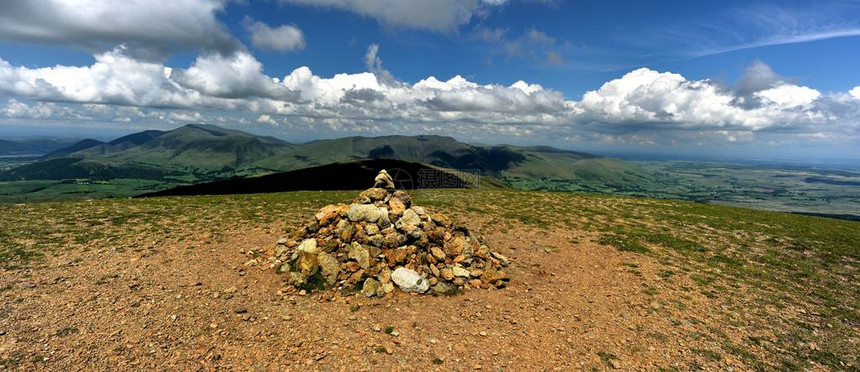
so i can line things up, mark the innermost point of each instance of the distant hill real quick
(34, 146)
(202, 153)
(77, 146)
(206, 147)
(495, 161)
(10, 147)
(117, 145)
(437, 150)
(136, 138)
(192, 152)
(339, 176)
(67, 168)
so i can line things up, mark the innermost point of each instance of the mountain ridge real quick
(197, 153)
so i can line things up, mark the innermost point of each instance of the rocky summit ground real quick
(597, 283)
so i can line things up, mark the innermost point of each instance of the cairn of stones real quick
(382, 242)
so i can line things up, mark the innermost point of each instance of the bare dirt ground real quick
(193, 305)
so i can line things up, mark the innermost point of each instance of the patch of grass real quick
(67, 331)
(678, 244)
(827, 358)
(678, 304)
(748, 357)
(13, 255)
(526, 219)
(104, 279)
(710, 354)
(607, 358)
(623, 244)
(701, 280)
(709, 294)
(13, 360)
(667, 274)
(657, 336)
(314, 282)
(720, 260)
(389, 329)
(354, 308)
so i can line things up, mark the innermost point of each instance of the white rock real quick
(365, 212)
(409, 280)
(459, 271)
(410, 218)
(310, 246)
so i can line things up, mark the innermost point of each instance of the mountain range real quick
(198, 153)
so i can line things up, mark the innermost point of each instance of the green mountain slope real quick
(79, 146)
(495, 161)
(435, 150)
(201, 147)
(118, 145)
(70, 168)
(200, 153)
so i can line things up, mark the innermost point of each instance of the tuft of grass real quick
(710, 354)
(389, 329)
(607, 358)
(315, 282)
(702, 280)
(67, 331)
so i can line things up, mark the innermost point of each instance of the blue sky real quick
(770, 78)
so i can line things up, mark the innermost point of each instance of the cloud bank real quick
(433, 15)
(641, 101)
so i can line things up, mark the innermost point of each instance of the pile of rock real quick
(382, 241)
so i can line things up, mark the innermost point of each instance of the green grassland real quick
(758, 263)
(775, 187)
(47, 190)
(802, 189)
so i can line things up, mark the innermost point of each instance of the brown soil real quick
(572, 304)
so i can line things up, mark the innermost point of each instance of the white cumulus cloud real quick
(788, 96)
(235, 76)
(855, 92)
(283, 38)
(149, 29)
